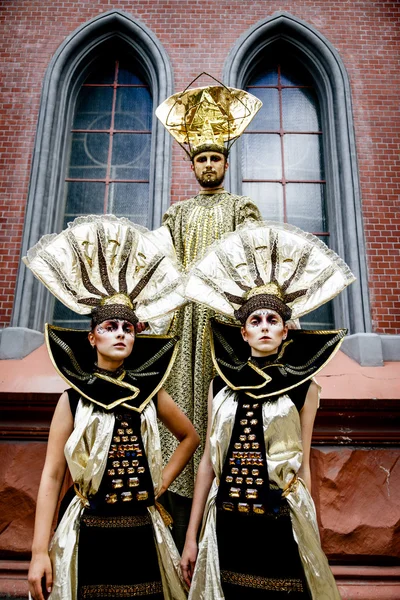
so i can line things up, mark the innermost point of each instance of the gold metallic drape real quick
(282, 432)
(86, 453)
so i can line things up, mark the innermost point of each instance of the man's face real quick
(209, 169)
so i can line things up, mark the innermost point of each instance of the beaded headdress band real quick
(208, 118)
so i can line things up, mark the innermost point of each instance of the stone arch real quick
(352, 308)
(64, 75)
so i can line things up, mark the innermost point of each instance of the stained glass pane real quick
(293, 72)
(261, 156)
(267, 119)
(303, 157)
(93, 108)
(133, 109)
(64, 317)
(300, 110)
(129, 72)
(321, 318)
(305, 206)
(83, 198)
(89, 152)
(103, 73)
(266, 76)
(268, 197)
(130, 200)
(131, 156)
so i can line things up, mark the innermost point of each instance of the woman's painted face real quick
(113, 340)
(264, 331)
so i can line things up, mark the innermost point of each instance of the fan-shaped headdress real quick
(109, 267)
(267, 265)
(112, 269)
(208, 118)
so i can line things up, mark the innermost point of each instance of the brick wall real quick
(198, 36)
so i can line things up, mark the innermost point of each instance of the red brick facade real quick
(198, 37)
(355, 456)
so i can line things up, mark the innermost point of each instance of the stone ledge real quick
(355, 582)
(18, 342)
(372, 349)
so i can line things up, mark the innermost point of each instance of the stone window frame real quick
(352, 307)
(62, 81)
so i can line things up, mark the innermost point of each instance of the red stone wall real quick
(198, 36)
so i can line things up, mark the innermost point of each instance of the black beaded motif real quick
(244, 486)
(127, 478)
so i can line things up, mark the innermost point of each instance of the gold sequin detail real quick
(116, 521)
(121, 591)
(262, 583)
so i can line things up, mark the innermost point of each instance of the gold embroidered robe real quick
(282, 433)
(194, 225)
(86, 453)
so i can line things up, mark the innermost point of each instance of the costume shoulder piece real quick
(133, 386)
(301, 356)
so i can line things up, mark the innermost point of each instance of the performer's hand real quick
(40, 576)
(188, 561)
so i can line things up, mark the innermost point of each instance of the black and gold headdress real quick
(271, 265)
(107, 267)
(268, 265)
(111, 269)
(208, 118)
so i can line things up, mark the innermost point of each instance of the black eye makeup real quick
(112, 326)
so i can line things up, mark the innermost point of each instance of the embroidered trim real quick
(250, 258)
(262, 583)
(120, 372)
(69, 353)
(154, 358)
(121, 591)
(116, 521)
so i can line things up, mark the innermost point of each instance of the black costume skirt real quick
(259, 557)
(117, 557)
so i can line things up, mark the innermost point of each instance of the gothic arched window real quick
(282, 153)
(98, 149)
(298, 158)
(109, 164)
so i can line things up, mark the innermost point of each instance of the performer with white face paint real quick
(259, 537)
(112, 538)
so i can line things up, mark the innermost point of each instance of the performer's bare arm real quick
(180, 426)
(307, 417)
(49, 490)
(204, 479)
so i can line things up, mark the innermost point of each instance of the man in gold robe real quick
(204, 120)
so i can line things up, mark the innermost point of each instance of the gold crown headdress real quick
(208, 118)
(267, 265)
(109, 267)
